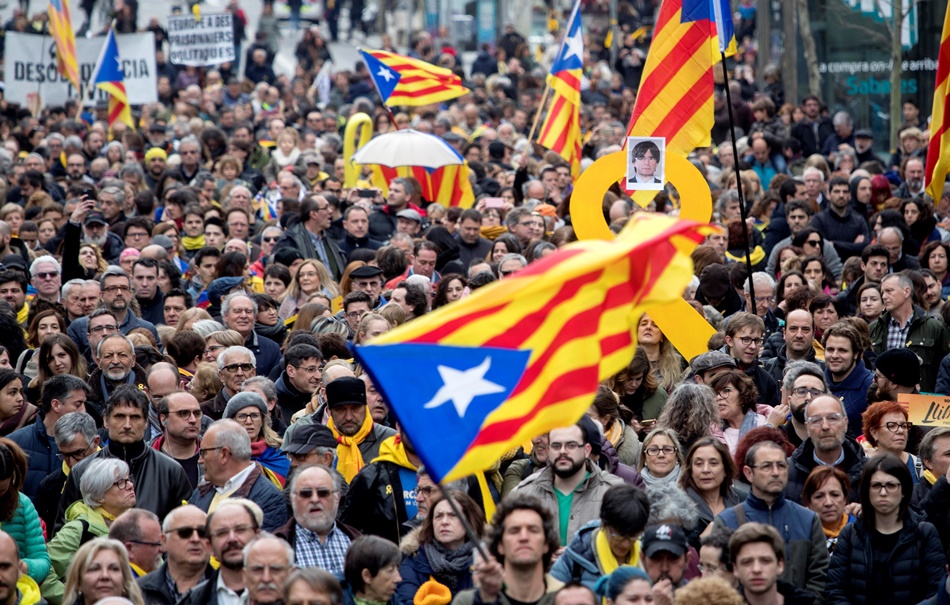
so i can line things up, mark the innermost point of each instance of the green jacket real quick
(25, 529)
(82, 524)
(928, 338)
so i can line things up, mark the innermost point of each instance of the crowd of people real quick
(182, 421)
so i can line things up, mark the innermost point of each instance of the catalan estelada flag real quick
(525, 355)
(675, 99)
(109, 77)
(404, 81)
(61, 28)
(561, 131)
(448, 185)
(938, 153)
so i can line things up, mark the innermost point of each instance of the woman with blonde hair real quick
(311, 277)
(12, 214)
(91, 259)
(666, 363)
(206, 382)
(218, 341)
(661, 458)
(99, 570)
(189, 317)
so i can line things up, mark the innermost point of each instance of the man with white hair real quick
(764, 290)
(116, 356)
(268, 562)
(239, 312)
(230, 473)
(235, 365)
(46, 272)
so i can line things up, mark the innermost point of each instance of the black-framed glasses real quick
(144, 543)
(76, 455)
(185, 533)
(234, 367)
(268, 240)
(202, 452)
(124, 482)
(244, 417)
(805, 391)
(322, 492)
(898, 426)
(667, 450)
(186, 414)
(237, 529)
(890, 487)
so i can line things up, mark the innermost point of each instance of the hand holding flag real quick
(526, 354)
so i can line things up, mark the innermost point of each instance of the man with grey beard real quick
(116, 356)
(318, 539)
(88, 226)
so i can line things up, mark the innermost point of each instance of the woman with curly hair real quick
(815, 269)
(449, 289)
(735, 398)
(934, 256)
(690, 413)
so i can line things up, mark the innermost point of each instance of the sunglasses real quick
(322, 492)
(234, 367)
(46, 275)
(185, 533)
(270, 239)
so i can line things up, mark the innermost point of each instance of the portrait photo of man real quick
(645, 163)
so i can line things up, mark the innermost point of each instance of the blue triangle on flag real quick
(452, 391)
(386, 79)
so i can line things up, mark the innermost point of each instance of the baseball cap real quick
(95, 217)
(664, 538)
(307, 437)
(410, 214)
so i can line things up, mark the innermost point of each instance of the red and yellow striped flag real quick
(675, 99)
(525, 355)
(411, 82)
(449, 185)
(561, 131)
(61, 28)
(938, 153)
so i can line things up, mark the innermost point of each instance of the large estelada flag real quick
(61, 28)
(561, 131)
(108, 76)
(525, 355)
(938, 152)
(412, 82)
(675, 99)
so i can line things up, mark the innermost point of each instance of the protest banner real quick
(30, 68)
(200, 42)
(926, 410)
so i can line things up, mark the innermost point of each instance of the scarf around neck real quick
(393, 450)
(673, 477)
(449, 566)
(349, 458)
(605, 556)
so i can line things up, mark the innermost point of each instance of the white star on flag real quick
(461, 387)
(385, 74)
(574, 46)
(118, 61)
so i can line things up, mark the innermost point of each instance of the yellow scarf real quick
(493, 232)
(392, 450)
(105, 515)
(930, 477)
(349, 459)
(139, 572)
(605, 556)
(23, 314)
(193, 243)
(615, 433)
(833, 533)
(488, 503)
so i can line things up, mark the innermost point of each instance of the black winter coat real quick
(802, 462)
(916, 566)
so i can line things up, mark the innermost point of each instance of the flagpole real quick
(547, 80)
(537, 114)
(95, 69)
(743, 213)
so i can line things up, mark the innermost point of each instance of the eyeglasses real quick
(186, 533)
(124, 482)
(255, 416)
(234, 367)
(114, 289)
(817, 421)
(770, 466)
(356, 314)
(136, 235)
(186, 414)
(322, 492)
(898, 426)
(427, 490)
(667, 450)
(202, 452)
(890, 487)
(310, 369)
(76, 455)
(46, 275)
(110, 328)
(237, 529)
(805, 391)
(570, 446)
(621, 537)
(144, 543)
(724, 394)
(748, 340)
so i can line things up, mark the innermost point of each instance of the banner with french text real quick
(200, 42)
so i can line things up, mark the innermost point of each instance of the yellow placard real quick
(687, 330)
(926, 410)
